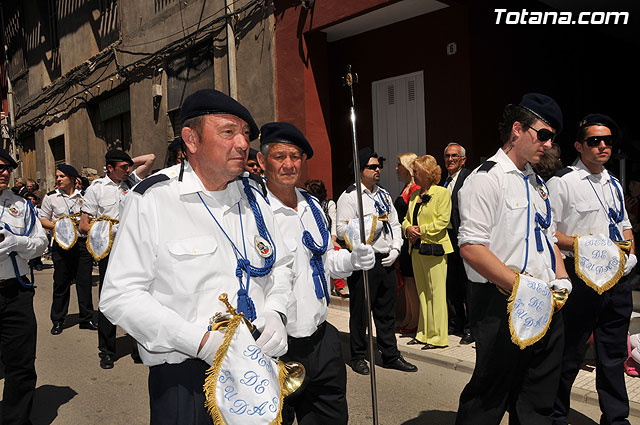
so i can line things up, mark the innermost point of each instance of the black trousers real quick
(69, 265)
(607, 316)
(323, 400)
(175, 394)
(382, 287)
(457, 284)
(524, 382)
(18, 352)
(106, 329)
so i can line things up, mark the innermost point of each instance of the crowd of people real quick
(454, 248)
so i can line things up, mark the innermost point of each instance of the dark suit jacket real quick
(455, 213)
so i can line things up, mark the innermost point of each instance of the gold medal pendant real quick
(384, 217)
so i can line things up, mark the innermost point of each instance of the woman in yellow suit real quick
(426, 228)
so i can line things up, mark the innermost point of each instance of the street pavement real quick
(72, 388)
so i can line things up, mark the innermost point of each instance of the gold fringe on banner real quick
(106, 252)
(74, 219)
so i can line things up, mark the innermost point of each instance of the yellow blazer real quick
(433, 218)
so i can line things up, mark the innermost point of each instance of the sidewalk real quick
(462, 357)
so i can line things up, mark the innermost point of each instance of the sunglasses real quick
(373, 167)
(594, 141)
(4, 167)
(544, 134)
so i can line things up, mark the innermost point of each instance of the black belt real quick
(8, 283)
(311, 338)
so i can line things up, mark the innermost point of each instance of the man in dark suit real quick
(454, 160)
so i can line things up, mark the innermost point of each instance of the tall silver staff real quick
(349, 80)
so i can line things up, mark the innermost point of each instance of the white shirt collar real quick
(584, 172)
(509, 167)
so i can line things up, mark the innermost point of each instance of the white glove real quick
(10, 242)
(629, 265)
(208, 351)
(391, 258)
(559, 284)
(362, 257)
(273, 338)
(114, 228)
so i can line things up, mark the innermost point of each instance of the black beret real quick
(209, 101)
(116, 155)
(5, 155)
(253, 154)
(364, 155)
(283, 132)
(600, 119)
(544, 108)
(68, 171)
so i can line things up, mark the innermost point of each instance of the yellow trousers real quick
(430, 273)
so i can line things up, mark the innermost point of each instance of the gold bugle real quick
(559, 298)
(625, 245)
(294, 376)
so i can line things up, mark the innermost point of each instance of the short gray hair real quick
(462, 149)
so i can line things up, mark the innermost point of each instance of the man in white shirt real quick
(189, 234)
(312, 340)
(500, 237)
(455, 157)
(386, 243)
(73, 264)
(21, 238)
(587, 200)
(104, 198)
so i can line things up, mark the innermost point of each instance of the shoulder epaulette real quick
(486, 166)
(351, 188)
(563, 171)
(145, 184)
(53, 192)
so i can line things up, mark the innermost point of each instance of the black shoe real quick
(106, 362)
(466, 339)
(89, 325)
(57, 328)
(400, 364)
(359, 366)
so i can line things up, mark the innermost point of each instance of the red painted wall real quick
(308, 70)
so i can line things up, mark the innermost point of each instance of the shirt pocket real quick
(586, 208)
(516, 214)
(193, 263)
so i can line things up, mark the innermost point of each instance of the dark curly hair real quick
(317, 189)
(511, 114)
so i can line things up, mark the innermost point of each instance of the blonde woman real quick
(408, 292)
(425, 225)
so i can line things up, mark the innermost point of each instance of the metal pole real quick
(231, 52)
(350, 79)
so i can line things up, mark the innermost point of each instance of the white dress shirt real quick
(171, 261)
(493, 212)
(104, 196)
(347, 209)
(14, 211)
(57, 204)
(577, 209)
(311, 310)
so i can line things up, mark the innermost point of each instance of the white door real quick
(398, 123)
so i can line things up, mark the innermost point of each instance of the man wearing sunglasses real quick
(500, 239)
(587, 199)
(21, 239)
(386, 243)
(103, 198)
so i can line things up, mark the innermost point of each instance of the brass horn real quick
(294, 371)
(559, 298)
(625, 246)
